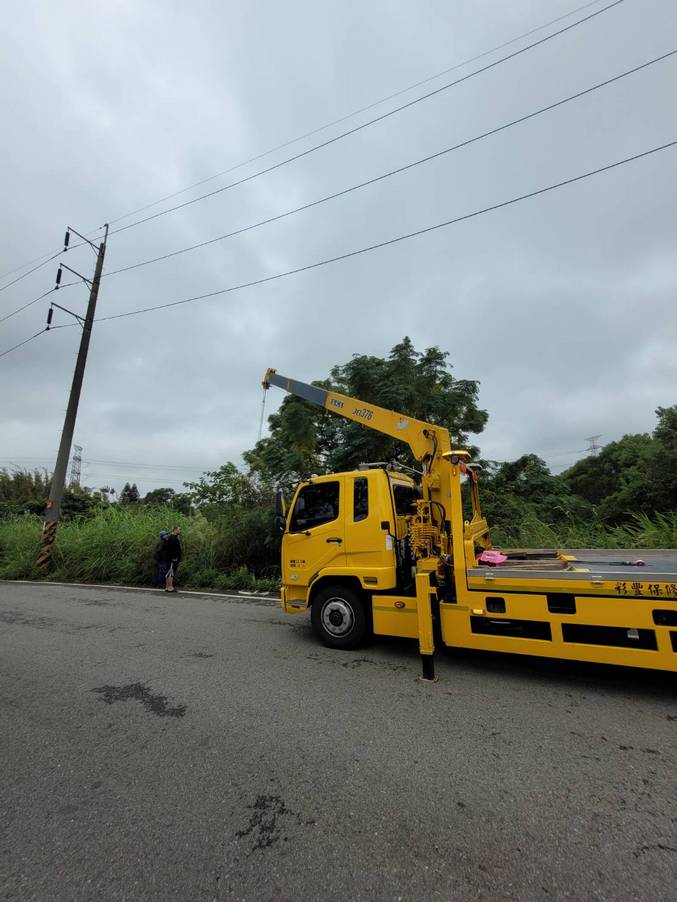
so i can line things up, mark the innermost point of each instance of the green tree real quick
(240, 506)
(661, 469)
(305, 440)
(635, 475)
(166, 497)
(26, 492)
(159, 496)
(129, 494)
(226, 486)
(23, 491)
(514, 490)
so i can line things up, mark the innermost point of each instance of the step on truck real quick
(388, 551)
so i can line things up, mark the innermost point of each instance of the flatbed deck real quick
(584, 564)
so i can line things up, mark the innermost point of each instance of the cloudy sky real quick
(563, 306)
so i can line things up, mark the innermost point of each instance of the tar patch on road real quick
(151, 701)
(353, 663)
(270, 818)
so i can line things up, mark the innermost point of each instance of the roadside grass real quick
(116, 546)
(641, 532)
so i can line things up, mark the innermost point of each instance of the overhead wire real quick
(390, 241)
(121, 463)
(392, 172)
(40, 265)
(357, 112)
(30, 271)
(22, 343)
(369, 122)
(39, 298)
(128, 463)
(321, 128)
(26, 306)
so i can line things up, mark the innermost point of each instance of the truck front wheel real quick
(338, 617)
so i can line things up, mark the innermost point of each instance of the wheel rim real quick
(338, 618)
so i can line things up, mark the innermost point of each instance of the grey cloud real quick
(563, 307)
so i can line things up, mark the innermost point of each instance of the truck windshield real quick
(315, 505)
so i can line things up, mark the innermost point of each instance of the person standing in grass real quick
(174, 553)
(162, 559)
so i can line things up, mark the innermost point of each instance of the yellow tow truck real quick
(383, 550)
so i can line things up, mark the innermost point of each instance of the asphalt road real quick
(159, 747)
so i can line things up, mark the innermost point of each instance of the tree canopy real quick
(129, 494)
(636, 474)
(304, 439)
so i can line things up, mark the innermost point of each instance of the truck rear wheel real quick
(338, 617)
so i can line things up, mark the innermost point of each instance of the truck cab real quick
(347, 529)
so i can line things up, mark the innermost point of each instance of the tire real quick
(338, 617)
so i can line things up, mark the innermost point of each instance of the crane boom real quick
(425, 440)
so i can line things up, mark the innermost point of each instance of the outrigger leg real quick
(426, 642)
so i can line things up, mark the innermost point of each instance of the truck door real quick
(315, 536)
(370, 549)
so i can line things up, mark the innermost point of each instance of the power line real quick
(22, 343)
(364, 109)
(40, 265)
(397, 239)
(369, 122)
(30, 271)
(397, 171)
(321, 128)
(127, 463)
(95, 462)
(35, 300)
(26, 306)
(24, 265)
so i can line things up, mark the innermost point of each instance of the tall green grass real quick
(641, 532)
(117, 544)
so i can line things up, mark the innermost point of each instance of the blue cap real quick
(163, 532)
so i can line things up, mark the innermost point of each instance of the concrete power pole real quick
(53, 509)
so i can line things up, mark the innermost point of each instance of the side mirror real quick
(280, 506)
(280, 522)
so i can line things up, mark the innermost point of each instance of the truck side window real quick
(315, 505)
(361, 499)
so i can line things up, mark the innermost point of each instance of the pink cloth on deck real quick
(492, 557)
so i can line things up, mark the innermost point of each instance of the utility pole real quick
(53, 509)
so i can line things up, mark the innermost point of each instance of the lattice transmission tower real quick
(76, 465)
(593, 446)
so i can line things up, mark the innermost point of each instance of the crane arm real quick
(424, 439)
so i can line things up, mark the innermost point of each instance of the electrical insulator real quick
(58, 278)
(50, 314)
(67, 238)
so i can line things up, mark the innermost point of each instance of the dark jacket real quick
(162, 552)
(174, 549)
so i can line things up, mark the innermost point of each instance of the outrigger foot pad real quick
(428, 669)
